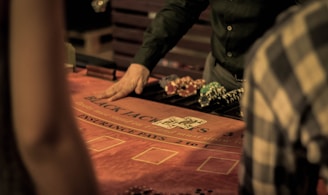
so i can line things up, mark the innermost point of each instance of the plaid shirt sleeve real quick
(285, 105)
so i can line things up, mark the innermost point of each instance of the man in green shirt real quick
(236, 25)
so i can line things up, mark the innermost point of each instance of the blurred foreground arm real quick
(47, 134)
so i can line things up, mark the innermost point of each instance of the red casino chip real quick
(187, 90)
(186, 79)
(200, 83)
(171, 88)
(179, 82)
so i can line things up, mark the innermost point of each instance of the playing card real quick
(168, 123)
(190, 122)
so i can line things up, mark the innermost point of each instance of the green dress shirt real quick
(236, 25)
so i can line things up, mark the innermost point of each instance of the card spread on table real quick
(168, 123)
(185, 123)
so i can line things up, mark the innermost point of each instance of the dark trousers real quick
(215, 72)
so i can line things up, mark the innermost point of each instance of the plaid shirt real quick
(285, 105)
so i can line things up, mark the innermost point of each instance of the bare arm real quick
(46, 131)
(134, 79)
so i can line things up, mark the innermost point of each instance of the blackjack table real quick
(138, 147)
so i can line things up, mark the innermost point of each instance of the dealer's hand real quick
(134, 79)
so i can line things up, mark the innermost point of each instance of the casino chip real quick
(139, 190)
(184, 86)
(209, 92)
(171, 88)
(187, 90)
(204, 101)
(200, 83)
(231, 96)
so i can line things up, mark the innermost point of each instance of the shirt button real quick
(229, 54)
(229, 28)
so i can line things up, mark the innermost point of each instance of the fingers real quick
(108, 93)
(134, 79)
(139, 88)
(118, 90)
(118, 95)
(114, 93)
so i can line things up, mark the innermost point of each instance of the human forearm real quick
(167, 28)
(47, 135)
(60, 166)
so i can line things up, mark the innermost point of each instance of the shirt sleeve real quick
(167, 28)
(289, 71)
(314, 133)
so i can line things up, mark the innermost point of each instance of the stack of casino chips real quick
(144, 190)
(184, 86)
(214, 92)
(210, 92)
(139, 190)
(232, 96)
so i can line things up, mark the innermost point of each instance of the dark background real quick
(80, 16)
